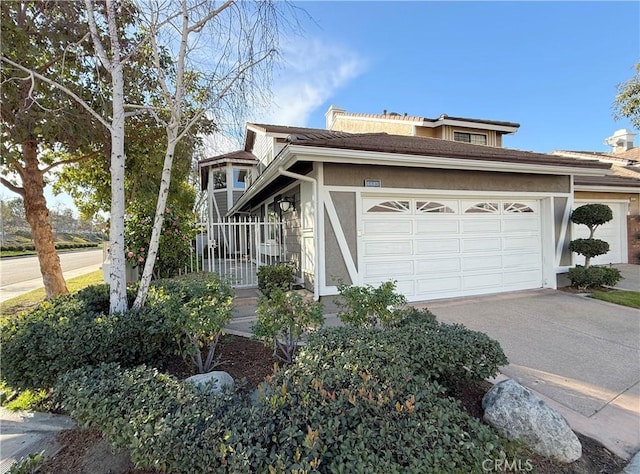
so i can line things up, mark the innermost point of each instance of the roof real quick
(234, 155)
(298, 131)
(611, 180)
(622, 157)
(385, 143)
(413, 118)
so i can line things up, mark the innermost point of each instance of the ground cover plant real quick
(182, 316)
(621, 297)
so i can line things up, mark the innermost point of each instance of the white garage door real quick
(614, 232)
(437, 248)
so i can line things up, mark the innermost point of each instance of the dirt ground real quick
(86, 452)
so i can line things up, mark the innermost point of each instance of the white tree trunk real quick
(118, 276)
(163, 193)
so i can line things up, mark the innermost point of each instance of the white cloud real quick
(312, 71)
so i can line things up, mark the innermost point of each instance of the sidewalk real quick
(24, 433)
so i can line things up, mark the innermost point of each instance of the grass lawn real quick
(624, 298)
(24, 302)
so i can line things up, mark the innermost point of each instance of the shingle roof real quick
(611, 180)
(301, 131)
(382, 142)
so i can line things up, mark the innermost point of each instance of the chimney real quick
(330, 116)
(621, 140)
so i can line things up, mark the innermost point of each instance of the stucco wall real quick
(335, 268)
(416, 178)
(345, 205)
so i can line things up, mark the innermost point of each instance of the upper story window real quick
(220, 178)
(239, 178)
(473, 138)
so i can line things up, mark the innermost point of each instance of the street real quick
(22, 274)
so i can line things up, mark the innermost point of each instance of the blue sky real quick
(553, 67)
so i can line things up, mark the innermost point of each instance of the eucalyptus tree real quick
(627, 102)
(42, 127)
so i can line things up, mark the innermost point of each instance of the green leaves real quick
(366, 306)
(283, 318)
(627, 102)
(176, 237)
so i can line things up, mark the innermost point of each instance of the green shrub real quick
(589, 247)
(200, 306)
(167, 424)
(448, 354)
(592, 215)
(283, 318)
(65, 334)
(332, 420)
(366, 306)
(272, 277)
(593, 277)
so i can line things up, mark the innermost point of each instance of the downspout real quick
(316, 245)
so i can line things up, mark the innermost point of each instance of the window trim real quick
(471, 134)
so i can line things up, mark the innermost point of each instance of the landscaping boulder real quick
(216, 380)
(519, 414)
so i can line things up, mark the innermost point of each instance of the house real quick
(444, 218)
(620, 191)
(445, 127)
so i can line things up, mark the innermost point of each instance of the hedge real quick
(354, 400)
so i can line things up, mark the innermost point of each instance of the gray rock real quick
(634, 465)
(519, 414)
(216, 380)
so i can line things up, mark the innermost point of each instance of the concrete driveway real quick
(582, 355)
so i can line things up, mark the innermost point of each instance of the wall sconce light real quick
(287, 204)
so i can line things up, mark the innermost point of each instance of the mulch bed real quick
(250, 360)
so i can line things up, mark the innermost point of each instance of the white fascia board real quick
(260, 131)
(333, 155)
(265, 178)
(608, 189)
(234, 161)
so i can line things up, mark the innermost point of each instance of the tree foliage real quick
(627, 102)
(42, 127)
(593, 216)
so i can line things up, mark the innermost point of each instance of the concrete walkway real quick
(25, 433)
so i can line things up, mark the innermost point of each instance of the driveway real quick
(581, 354)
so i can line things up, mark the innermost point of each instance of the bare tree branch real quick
(97, 43)
(64, 89)
(197, 27)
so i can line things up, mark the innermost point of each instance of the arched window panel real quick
(390, 206)
(484, 207)
(433, 207)
(516, 207)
